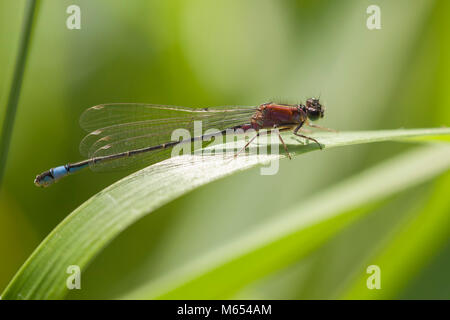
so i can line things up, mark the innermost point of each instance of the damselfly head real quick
(44, 179)
(314, 109)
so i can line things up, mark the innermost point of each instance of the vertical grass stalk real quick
(14, 94)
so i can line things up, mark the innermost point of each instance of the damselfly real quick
(124, 134)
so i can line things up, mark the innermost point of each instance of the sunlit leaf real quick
(87, 230)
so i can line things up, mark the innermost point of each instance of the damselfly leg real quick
(306, 137)
(267, 133)
(320, 127)
(247, 144)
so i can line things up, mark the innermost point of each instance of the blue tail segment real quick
(47, 178)
(59, 172)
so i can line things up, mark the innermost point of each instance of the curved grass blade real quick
(409, 250)
(295, 232)
(88, 229)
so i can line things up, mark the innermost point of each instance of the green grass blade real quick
(295, 232)
(14, 94)
(409, 249)
(340, 139)
(89, 228)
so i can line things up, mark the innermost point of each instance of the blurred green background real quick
(208, 53)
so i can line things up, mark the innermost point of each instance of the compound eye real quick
(313, 114)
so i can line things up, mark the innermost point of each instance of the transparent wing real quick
(124, 127)
(106, 115)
